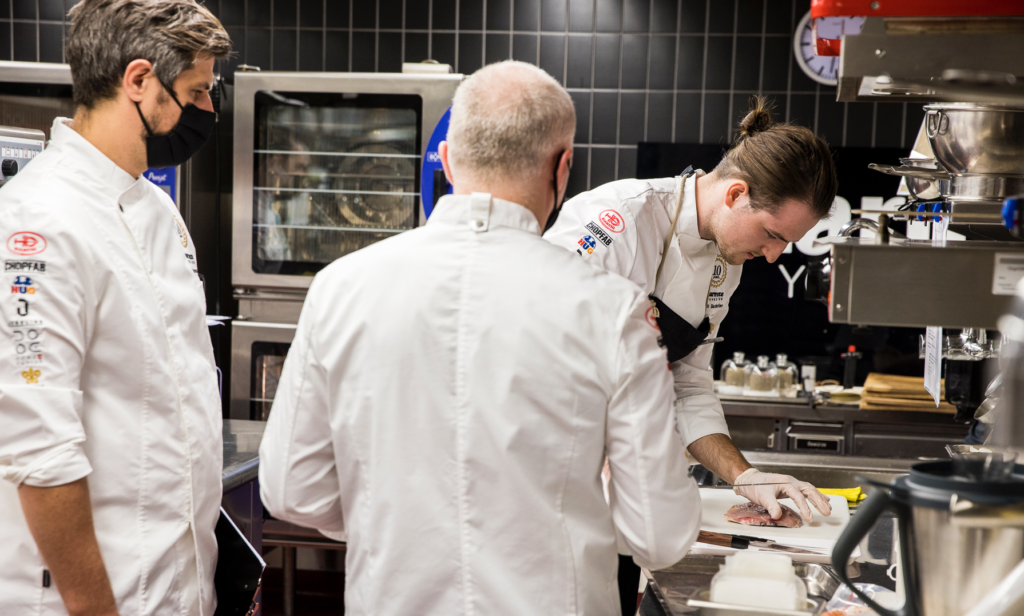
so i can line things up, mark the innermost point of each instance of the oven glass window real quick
(333, 173)
(267, 363)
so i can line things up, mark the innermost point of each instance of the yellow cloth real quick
(853, 495)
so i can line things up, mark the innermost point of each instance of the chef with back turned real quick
(451, 393)
(684, 241)
(110, 442)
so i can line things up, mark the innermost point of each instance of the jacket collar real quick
(687, 231)
(90, 162)
(473, 209)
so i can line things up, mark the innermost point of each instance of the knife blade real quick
(742, 542)
(782, 483)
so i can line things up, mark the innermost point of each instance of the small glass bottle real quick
(762, 379)
(733, 375)
(789, 375)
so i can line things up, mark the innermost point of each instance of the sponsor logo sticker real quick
(587, 242)
(31, 376)
(23, 284)
(719, 272)
(649, 315)
(38, 267)
(181, 233)
(612, 220)
(601, 235)
(26, 243)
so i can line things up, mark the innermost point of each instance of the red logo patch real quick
(26, 243)
(649, 315)
(612, 221)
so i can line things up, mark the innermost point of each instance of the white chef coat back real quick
(107, 371)
(448, 402)
(621, 227)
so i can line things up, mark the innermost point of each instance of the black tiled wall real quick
(638, 70)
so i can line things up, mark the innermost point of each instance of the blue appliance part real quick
(433, 184)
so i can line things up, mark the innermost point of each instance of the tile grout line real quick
(704, 70)
(764, 28)
(647, 78)
(732, 70)
(455, 62)
(676, 64)
(593, 64)
(789, 64)
(351, 16)
(511, 24)
(618, 94)
(430, 29)
(565, 50)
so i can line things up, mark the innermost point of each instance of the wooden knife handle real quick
(722, 540)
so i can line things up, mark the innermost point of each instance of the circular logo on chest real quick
(182, 235)
(719, 272)
(612, 220)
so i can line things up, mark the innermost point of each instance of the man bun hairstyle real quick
(107, 35)
(780, 162)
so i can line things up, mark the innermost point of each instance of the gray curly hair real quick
(107, 35)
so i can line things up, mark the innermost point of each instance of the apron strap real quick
(671, 230)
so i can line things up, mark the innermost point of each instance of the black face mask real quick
(553, 216)
(190, 133)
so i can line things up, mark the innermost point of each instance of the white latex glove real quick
(768, 496)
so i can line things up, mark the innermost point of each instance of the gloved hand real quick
(768, 496)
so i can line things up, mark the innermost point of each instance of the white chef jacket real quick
(448, 401)
(106, 371)
(621, 227)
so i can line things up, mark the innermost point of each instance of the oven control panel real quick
(18, 146)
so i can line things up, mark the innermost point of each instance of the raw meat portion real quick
(755, 515)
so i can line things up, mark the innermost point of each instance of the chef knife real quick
(782, 483)
(742, 542)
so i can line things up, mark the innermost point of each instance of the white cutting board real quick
(820, 535)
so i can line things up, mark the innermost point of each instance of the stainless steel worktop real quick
(241, 452)
(669, 589)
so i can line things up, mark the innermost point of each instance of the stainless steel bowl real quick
(976, 139)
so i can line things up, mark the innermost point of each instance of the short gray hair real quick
(107, 35)
(508, 119)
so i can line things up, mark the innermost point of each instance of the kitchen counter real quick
(241, 452)
(786, 425)
(668, 589)
(239, 477)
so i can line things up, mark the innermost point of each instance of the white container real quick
(757, 579)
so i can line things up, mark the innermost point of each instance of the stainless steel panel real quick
(916, 64)
(910, 283)
(35, 72)
(279, 308)
(243, 335)
(436, 92)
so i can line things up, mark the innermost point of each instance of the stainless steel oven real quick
(325, 164)
(257, 357)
